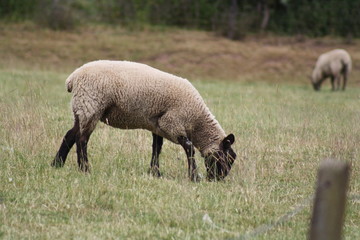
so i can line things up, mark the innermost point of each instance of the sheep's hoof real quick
(195, 177)
(154, 171)
(84, 167)
(57, 162)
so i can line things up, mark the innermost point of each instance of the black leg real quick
(190, 152)
(66, 145)
(333, 83)
(338, 82)
(81, 149)
(156, 149)
(345, 80)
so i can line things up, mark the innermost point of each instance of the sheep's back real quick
(331, 63)
(131, 93)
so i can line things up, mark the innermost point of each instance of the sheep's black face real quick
(219, 163)
(316, 86)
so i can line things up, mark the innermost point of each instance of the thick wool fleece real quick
(330, 64)
(131, 95)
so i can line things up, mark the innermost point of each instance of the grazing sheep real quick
(130, 95)
(335, 64)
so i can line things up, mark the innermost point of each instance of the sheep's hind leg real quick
(82, 139)
(156, 149)
(66, 145)
(344, 81)
(81, 150)
(190, 152)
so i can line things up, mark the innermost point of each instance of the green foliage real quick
(231, 18)
(55, 14)
(17, 10)
(317, 18)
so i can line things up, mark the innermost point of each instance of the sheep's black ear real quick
(228, 141)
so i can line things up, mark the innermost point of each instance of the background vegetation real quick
(231, 18)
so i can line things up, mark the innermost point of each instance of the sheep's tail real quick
(69, 83)
(346, 67)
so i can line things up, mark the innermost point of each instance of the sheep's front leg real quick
(338, 82)
(156, 149)
(190, 152)
(333, 83)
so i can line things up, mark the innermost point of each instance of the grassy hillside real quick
(192, 54)
(283, 130)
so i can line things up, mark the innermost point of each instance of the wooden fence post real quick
(328, 212)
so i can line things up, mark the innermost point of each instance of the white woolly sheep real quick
(130, 95)
(335, 64)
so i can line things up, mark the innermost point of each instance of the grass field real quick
(283, 130)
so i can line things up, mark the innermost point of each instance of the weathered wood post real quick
(328, 212)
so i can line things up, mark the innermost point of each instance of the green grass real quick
(282, 133)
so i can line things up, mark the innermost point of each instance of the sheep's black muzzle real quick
(218, 164)
(316, 86)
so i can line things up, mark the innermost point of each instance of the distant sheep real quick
(335, 65)
(130, 95)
